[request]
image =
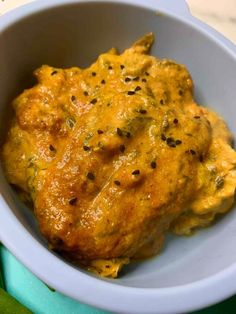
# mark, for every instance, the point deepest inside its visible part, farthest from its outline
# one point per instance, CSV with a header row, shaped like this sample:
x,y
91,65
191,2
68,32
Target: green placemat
x,y
35,295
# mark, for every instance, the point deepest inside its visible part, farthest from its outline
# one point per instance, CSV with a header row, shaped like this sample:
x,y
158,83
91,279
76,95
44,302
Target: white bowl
x,y
190,273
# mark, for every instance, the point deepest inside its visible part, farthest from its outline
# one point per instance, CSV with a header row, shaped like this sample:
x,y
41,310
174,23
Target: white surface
x,y
7,5
219,14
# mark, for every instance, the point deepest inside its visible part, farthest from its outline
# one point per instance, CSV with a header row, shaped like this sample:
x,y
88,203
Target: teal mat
x,y
35,295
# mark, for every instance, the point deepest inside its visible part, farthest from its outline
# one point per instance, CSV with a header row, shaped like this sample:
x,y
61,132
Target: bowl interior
x,y
75,34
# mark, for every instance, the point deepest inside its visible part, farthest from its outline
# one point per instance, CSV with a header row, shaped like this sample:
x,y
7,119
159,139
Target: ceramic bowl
x,y
191,272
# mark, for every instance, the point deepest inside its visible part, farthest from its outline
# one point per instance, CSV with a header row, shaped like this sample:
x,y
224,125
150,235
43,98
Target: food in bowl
x,y
113,156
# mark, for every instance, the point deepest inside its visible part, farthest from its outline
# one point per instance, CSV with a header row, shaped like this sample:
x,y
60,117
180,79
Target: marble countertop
x,y
219,14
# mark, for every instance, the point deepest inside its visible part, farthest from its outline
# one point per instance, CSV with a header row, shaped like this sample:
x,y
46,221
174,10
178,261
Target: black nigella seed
x,y
122,148
85,93
147,73
138,88
110,67
162,102
136,79
196,117
128,134
90,176
119,132
117,182
86,148
192,152
54,73
103,82
144,80
127,79
122,66
178,142
94,73
93,101
100,131
163,137
131,93
136,172
170,139
142,111
52,148
175,121
180,92
170,142
73,201
153,165
73,98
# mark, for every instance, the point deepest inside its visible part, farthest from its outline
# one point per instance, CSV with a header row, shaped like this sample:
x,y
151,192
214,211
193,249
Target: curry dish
x,y
115,155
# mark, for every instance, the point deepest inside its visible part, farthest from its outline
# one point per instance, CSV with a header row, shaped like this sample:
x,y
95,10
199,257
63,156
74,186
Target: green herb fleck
x,y
219,181
71,122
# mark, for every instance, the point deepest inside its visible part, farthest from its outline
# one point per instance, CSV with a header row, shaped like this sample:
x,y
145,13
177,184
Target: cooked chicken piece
x,y
113,155
216,181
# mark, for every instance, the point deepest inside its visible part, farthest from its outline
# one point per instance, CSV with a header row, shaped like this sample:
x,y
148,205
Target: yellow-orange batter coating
x,y
115,155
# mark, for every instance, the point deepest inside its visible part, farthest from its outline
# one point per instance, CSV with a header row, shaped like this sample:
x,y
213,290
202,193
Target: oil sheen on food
x,y
113,156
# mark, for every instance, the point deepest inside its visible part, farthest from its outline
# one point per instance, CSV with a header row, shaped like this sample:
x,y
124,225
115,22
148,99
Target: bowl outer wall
x,y
86,288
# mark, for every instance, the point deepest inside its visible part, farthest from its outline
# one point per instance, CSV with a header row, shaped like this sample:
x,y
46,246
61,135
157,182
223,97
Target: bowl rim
x,y
104,294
